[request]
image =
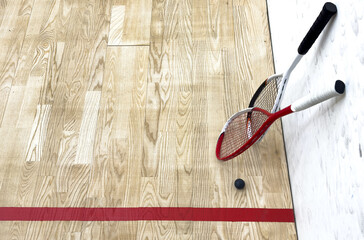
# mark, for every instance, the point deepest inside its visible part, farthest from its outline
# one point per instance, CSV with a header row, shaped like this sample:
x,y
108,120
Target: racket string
x,y
267,97
240,130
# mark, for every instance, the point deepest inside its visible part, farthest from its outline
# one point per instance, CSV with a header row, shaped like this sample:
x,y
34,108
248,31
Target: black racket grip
x,y
328,10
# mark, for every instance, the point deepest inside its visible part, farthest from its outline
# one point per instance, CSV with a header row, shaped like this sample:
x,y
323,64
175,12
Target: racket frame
x,y
299,105
272,117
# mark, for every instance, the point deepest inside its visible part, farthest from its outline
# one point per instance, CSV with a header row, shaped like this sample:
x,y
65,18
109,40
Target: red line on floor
x,y
146,213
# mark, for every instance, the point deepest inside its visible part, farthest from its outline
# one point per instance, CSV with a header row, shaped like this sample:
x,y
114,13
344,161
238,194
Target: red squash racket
x,y
244,128
269,94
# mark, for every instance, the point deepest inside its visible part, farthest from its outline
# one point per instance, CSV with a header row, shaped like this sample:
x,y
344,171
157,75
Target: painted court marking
x,y
146,213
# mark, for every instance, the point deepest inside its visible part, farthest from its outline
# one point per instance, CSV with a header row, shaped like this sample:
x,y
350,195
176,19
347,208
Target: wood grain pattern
x,y
130,22
118,150
38,133
119,104
117,25
14,22
84,154
12,155
160,88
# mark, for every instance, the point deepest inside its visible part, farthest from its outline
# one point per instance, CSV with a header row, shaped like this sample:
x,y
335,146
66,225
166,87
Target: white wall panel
x,y
324,144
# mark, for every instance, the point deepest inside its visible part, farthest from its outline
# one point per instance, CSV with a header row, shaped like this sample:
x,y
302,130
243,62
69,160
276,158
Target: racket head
x,y
266,94
241,131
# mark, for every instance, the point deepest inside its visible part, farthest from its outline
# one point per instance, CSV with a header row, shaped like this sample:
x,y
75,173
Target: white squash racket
x,y
244,128
269,94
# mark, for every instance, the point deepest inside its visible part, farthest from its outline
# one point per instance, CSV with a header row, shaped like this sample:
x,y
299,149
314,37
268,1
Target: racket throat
x,y
282,86
281,113
273,118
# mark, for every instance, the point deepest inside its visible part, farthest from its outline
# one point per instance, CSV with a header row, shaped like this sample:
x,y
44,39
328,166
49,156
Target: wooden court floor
x,y
118,104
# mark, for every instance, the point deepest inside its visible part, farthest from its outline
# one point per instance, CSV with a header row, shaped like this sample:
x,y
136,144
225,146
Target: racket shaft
x,y
282,86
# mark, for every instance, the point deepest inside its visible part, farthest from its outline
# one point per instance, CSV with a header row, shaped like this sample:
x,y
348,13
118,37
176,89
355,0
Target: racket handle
x,y
328,10
313,99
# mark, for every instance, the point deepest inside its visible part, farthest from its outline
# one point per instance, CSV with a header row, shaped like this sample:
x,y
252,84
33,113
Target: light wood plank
x,y
38,133
183,66
30,102
14,103
84,154
160,125
117,25
130,22
12,153
13,27
27,184
5,230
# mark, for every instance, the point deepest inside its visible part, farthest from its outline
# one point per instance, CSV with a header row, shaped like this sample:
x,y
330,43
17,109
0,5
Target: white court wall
x,y
324,144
